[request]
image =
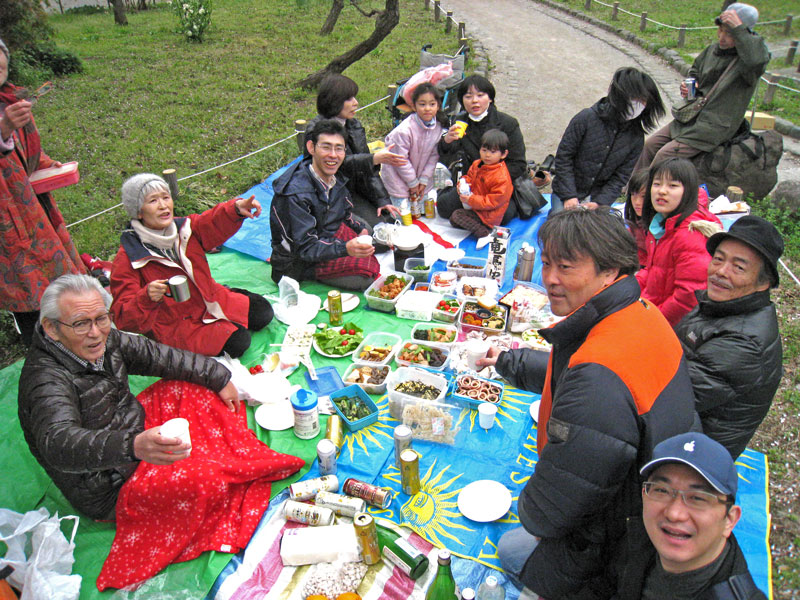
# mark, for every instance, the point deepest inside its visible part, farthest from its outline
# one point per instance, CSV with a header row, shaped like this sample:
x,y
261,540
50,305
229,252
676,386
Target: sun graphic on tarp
x,y
430,511
371,434
513,404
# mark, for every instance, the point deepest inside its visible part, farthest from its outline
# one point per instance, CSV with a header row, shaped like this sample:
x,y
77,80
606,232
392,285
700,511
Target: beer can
x,y
344,506
373,494
430,207
300,512
305,490
335,307
402,440
334,433
691,85
326,457
409,471
367,535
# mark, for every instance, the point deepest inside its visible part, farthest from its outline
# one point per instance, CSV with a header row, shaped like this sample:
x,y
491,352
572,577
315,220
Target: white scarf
x,y
165,239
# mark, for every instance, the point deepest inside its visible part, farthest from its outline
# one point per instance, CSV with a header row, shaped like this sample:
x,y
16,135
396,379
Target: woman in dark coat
x,y
336,99
601,144
476,94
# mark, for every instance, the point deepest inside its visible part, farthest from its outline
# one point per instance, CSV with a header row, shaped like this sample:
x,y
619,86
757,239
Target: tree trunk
x,y
142,5
119,12
333,15
388,18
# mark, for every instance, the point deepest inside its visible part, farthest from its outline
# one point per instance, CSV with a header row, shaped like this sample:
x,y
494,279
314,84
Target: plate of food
x,y
336,342
534,339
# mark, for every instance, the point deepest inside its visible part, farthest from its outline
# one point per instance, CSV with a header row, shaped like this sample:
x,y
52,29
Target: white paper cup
x,y
177,428
486,413
364,239
476,349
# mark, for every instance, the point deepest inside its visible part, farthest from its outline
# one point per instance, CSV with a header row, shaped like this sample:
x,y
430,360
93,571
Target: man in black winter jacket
x,y
731,338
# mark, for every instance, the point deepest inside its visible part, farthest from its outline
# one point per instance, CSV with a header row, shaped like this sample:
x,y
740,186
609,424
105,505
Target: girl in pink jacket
x,y
677,228
415,138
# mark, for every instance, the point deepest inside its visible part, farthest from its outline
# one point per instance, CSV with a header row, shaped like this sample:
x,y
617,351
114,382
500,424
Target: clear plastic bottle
x,y
491,590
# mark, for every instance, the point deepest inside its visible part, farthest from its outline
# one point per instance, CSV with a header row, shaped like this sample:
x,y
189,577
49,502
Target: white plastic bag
x,y
41,556
256,389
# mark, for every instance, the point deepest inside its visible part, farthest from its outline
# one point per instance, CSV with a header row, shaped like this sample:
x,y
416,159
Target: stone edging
x,y
672,57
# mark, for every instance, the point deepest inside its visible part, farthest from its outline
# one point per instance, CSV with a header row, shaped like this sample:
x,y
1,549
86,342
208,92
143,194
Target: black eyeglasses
x,y
84,326
663,493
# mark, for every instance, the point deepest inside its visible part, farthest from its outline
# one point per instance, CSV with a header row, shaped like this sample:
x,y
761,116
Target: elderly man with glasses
x,y
684,547
102,446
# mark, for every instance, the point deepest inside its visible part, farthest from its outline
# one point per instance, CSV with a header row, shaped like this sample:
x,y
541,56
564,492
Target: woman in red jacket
x,y
677,228
215,319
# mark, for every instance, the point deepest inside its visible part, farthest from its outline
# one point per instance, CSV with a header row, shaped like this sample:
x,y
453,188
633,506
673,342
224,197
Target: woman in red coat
x,y
214,319
35,247
677,228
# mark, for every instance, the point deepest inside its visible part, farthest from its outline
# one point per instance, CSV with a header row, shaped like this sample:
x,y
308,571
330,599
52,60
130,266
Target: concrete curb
x,y
671,56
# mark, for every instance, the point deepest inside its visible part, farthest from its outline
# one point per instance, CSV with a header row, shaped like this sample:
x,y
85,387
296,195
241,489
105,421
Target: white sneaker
x,y
483,241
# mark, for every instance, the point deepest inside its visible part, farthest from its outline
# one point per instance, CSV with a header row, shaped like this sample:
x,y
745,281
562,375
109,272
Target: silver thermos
x,y
526,256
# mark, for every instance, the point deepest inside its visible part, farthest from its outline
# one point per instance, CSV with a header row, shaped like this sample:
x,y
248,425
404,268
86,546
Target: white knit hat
x,y
133,192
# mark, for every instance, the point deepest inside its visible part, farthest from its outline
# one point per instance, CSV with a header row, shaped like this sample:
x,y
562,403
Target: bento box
x,y
413,267
431,333
417,399
371,378
372,349
386,300
417,305
476,318
447,309
430,356
473,390
355,392
468,266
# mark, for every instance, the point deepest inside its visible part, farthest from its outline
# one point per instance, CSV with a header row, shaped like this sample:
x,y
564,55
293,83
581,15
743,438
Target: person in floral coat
x,y
35,247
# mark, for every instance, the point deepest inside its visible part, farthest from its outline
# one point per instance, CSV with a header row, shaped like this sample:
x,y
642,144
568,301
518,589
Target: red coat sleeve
x,y
132,308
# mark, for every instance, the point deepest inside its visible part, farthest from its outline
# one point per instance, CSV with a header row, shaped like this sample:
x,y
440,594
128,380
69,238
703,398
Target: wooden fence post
x,y
588,5
172,180
787,29
769,95
792,51
448,24
464,43
643,22
615,12
300,134
427,4
682,36
437,11
462,30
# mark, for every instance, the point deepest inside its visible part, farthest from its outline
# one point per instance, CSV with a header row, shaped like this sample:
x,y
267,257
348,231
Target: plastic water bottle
x,y
490,590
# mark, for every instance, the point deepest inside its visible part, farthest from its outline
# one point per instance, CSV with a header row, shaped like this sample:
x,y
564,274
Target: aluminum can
x,y
409,471
691,85
430,207
333,431
344,506
326,457
305,490
335,307
300,512
402,440
367,535
373,494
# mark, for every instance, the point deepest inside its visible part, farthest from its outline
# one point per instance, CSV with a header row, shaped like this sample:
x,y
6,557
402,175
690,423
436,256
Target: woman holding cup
x,y
161,280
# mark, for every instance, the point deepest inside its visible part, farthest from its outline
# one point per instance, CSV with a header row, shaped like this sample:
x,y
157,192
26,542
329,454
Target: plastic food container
x,y
417,306
379,339
385,304
370,388
405,363
489,288
46,180
417,274
422,286
432,419
469,266
355,390
468,312
451,329
443,282
447,316
483,385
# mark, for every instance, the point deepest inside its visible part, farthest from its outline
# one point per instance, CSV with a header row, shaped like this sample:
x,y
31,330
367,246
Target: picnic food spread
x,y
391,288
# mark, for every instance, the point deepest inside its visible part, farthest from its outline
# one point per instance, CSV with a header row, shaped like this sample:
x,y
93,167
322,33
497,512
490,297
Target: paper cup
x,y
364,239
177,428
486,414
476,349
462,128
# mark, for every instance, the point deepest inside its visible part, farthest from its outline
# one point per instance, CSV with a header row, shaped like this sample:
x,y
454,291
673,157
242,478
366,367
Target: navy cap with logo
x,y
758,233
709,458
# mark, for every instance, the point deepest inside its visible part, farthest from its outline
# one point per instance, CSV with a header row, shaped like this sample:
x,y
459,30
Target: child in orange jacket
x,y
490,189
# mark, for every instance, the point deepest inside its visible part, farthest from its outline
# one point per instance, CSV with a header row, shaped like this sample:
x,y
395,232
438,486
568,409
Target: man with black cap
x,y
684,547
726,75
731,338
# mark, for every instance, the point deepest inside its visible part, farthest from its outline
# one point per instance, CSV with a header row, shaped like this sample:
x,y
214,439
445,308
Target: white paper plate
x,y
484,500
319,351
349,302
275,416
535,410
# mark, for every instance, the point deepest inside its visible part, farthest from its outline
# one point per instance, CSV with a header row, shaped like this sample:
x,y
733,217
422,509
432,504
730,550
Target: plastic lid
x,y
326,446
304,400
402,431
491,581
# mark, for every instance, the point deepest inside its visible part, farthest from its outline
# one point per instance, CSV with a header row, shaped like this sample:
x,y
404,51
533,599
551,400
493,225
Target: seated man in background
x,y
683,546
731,338
103,448
314,231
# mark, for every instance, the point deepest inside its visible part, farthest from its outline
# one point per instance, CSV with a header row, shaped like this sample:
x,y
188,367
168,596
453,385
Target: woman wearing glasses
x,y
157,246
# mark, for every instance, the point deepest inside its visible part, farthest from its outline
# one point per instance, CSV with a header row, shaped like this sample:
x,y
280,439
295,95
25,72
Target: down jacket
x,y
734,353
417,142
361,173
187,324
491,188
80,424
304,220
608,399
596,154
677,264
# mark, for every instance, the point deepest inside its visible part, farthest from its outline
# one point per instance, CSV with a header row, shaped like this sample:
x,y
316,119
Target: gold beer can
x,y
430,207
334,432
409,471
367,535
335,307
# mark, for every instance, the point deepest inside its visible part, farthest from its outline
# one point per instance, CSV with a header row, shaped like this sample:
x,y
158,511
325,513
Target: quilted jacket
x,y
596,154
417,142
80,424
734,353
491,187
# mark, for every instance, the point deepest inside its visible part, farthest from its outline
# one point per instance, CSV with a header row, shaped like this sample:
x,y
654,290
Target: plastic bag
x,y
41,556
256,388
432,74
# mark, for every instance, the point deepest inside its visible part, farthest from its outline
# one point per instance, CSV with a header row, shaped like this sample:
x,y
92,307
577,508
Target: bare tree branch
x,y
333,15
371,13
